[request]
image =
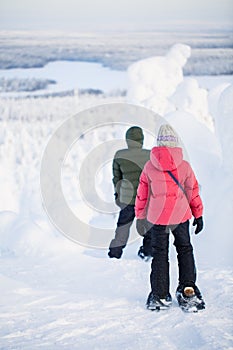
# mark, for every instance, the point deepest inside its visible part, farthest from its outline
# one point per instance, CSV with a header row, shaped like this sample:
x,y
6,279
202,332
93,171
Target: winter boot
x,y
190,299
155,303
115,252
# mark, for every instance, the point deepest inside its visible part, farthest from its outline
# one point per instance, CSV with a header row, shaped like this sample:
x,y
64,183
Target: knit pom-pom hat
x,y
167,136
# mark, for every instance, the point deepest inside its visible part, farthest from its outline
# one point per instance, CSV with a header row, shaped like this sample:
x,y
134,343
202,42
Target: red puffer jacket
x,y
159,198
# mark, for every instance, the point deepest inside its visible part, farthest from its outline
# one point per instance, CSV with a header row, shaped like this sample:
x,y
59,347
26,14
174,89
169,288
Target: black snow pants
x,y
159,277
124,223
125,220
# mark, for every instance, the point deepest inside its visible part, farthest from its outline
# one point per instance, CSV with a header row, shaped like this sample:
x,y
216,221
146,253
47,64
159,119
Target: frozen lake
x,y
72,75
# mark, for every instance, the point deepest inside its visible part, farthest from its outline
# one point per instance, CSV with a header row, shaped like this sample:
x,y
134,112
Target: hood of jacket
x,y
134,137
166,158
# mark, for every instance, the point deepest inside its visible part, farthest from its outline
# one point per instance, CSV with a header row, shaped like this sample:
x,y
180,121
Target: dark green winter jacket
x,y
128,164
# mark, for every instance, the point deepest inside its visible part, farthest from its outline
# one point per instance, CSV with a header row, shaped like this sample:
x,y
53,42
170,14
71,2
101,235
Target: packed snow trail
x,y
86,301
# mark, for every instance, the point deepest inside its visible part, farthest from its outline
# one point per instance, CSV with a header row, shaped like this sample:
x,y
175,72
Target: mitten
x,y
199,223
117,200
141,226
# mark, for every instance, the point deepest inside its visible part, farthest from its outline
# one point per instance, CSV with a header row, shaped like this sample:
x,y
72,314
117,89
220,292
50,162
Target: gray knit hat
x,y
167,136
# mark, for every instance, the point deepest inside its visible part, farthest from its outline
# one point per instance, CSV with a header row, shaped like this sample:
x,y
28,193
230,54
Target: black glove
x,y
117,200
141,226
199,223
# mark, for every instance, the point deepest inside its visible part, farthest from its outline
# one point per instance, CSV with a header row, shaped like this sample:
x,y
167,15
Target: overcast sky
x,y
75,14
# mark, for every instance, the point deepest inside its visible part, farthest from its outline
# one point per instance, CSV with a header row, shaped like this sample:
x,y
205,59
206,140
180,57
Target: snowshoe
x,y
190,299
155,303
142,255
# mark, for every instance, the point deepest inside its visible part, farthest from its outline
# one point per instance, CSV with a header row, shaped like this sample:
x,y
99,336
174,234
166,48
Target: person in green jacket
x,y
127,167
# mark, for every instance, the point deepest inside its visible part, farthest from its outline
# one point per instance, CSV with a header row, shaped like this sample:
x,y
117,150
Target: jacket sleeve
x,y
192,192
142,197
117,174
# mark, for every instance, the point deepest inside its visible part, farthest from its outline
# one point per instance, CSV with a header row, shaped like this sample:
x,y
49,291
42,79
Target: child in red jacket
x,y
167,198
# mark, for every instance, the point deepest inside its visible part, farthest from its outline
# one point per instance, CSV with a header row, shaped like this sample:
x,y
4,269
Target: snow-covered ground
x,y
82,300
56,294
